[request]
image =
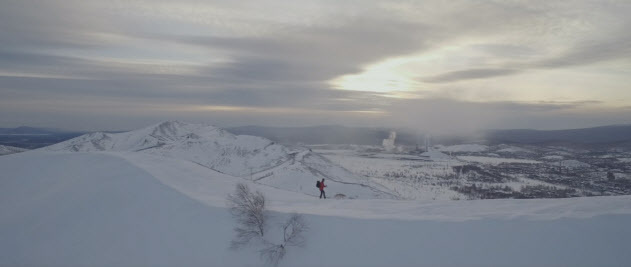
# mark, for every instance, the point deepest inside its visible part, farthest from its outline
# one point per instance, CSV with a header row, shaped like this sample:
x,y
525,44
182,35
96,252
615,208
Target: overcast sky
x,y
441,65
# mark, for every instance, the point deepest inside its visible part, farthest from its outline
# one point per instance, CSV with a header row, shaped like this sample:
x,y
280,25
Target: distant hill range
x,y
30,137
24,130
595,135
374,136
329,134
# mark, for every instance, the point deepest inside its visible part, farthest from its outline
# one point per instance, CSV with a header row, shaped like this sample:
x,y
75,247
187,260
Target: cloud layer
x,y
440,65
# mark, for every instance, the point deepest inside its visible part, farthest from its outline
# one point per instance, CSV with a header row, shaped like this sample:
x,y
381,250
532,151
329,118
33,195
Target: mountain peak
x,y
175,125
244,156
174,130
172,123
167,135
171,129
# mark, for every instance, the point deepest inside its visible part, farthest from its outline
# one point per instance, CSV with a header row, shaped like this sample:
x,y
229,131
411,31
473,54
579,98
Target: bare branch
x,y
273,253
248,208
294,229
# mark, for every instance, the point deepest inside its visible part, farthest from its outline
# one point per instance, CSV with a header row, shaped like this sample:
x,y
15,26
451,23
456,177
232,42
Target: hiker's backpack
x,y
318,184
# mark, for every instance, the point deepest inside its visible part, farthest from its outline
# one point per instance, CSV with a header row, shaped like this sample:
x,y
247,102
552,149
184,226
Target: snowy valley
x,y
473,171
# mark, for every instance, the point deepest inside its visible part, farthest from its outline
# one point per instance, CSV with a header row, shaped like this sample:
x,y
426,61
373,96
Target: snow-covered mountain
x,y
157,196
6,150
250,157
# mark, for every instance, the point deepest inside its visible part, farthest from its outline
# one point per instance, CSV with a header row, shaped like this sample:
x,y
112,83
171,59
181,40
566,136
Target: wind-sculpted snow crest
x,y
249,157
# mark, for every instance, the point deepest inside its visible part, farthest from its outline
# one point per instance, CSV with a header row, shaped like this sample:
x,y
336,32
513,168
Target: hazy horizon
x,y
452,66
307,126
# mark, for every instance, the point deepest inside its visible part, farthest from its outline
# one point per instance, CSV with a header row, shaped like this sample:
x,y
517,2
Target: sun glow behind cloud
x,y
389,76
468,71
403,76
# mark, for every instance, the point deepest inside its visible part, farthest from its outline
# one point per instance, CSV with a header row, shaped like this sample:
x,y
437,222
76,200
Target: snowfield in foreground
x,y
131,209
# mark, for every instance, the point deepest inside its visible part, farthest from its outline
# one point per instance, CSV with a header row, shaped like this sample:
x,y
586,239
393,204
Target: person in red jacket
x,y
322,186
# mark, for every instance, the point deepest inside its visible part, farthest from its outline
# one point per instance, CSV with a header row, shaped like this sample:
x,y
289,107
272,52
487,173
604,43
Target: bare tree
x,y
247,208
293,235
273,253
294,229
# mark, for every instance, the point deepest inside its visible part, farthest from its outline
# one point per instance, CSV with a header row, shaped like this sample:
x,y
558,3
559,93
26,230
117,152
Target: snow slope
x,y
138,209
98,210
6,150
255,158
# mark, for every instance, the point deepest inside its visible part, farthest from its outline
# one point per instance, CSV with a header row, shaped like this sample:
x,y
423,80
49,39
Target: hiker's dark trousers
x,y
322,194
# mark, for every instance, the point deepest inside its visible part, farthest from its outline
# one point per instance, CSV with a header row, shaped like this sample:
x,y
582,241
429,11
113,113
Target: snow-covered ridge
x,y
250,157
146,138
6,150
206,145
